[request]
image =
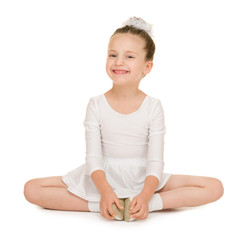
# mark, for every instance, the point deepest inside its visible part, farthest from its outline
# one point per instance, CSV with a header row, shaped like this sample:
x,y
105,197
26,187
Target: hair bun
x,y
139,23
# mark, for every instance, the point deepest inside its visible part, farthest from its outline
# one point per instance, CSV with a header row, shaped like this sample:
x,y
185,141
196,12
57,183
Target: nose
x,y
119,61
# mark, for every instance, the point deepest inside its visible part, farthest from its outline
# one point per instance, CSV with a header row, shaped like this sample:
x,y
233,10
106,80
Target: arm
x,y
94,161
99,179
155,163
154,168
151,183
108,196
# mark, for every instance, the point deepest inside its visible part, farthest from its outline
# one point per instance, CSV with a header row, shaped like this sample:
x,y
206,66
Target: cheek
x,y
109,62
142,67
138,68
109,68
108,65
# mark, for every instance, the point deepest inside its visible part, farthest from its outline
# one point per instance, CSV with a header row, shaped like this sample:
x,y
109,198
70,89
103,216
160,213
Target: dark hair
x,y
149,43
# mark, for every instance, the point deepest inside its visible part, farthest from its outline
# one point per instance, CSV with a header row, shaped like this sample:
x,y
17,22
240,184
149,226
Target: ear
x,y
148,67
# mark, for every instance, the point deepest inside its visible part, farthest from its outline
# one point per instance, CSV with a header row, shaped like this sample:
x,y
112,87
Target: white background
x,y
52,60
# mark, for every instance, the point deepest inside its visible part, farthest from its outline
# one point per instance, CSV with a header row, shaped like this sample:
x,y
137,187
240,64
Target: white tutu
x,y
125,175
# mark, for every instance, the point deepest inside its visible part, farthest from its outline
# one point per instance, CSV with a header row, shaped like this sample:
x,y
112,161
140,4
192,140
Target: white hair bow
x,y
139,23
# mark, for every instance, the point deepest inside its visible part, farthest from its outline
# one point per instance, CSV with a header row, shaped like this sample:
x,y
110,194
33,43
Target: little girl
x,y
123,177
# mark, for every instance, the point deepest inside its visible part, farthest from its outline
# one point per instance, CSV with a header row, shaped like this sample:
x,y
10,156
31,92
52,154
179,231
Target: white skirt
x,y
125,175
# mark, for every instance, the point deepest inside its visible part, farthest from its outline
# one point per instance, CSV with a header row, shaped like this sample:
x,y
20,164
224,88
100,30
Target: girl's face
x,y
126,62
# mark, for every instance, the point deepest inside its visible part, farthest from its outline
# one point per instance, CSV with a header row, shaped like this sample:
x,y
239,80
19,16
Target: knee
x,y
217,189
30,190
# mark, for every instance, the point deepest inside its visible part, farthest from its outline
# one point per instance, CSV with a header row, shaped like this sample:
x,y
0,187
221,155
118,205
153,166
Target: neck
x,y
125,92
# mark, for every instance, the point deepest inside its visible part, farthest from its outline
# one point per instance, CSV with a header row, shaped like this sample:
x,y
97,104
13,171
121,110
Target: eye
x,y
112,55
130,57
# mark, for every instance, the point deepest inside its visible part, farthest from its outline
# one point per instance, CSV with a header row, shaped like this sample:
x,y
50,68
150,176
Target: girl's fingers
x,y
144,216
133,203
139,214
105,213
118,204
135,209
109,217
110,211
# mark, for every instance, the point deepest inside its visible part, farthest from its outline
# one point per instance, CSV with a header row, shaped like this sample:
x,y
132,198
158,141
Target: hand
x,y
106,201
139,207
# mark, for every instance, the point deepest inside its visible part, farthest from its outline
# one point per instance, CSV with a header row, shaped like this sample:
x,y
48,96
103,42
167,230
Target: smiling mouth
x,y
120,72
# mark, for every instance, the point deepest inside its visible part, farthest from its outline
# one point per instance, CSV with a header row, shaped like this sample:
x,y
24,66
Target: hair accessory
x,y
139,23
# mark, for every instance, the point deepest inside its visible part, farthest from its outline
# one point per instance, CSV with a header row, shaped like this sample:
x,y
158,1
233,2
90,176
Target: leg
x,y
52,193
190,191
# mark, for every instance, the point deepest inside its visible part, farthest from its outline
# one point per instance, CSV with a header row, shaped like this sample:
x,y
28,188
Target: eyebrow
x,y
112,50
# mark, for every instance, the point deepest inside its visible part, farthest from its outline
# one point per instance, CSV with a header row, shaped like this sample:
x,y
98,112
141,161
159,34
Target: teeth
x,y
116,71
